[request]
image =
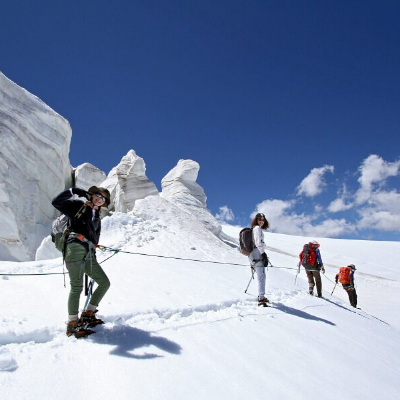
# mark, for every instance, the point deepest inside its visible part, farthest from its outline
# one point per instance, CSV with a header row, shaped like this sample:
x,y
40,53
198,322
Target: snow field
x,y
186,330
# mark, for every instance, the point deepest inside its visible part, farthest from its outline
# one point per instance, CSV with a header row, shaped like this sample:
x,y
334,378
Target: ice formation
x,y
87,175
34,164
127,182
179,186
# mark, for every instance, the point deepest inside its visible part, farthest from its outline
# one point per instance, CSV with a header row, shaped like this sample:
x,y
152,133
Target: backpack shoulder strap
x,y
80,212
78,215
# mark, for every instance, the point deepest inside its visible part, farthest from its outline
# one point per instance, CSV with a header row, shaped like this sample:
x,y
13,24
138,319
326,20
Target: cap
x,y
104,191
352,266
260,215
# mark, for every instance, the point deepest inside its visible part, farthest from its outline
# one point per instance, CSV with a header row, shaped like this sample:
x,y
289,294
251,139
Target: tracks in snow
x,y
151,320
156,320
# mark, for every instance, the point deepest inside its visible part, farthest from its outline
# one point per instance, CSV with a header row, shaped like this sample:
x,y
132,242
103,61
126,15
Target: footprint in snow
x,y
7,361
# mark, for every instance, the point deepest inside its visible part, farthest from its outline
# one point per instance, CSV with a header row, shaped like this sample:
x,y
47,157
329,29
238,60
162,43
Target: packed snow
x,y
177,328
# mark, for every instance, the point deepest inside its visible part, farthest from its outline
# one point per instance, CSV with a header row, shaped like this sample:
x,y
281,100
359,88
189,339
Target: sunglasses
x,y
100,196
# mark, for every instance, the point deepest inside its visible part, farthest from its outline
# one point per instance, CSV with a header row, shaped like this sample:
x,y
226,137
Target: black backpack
x,y
246,243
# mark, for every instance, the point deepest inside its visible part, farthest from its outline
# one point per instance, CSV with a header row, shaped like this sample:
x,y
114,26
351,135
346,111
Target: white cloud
x,y
339,205
225,214
280,218
381,209
382,212
273,207
318,209
332,228
343,202
374,205
374,172
283,219
386,201
314,183
379,220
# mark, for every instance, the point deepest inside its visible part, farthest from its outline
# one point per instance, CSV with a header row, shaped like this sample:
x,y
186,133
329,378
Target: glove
x,y
323,269
264,259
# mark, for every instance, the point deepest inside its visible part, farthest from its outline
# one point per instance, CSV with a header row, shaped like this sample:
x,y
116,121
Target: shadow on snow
x,y
128,339
300,313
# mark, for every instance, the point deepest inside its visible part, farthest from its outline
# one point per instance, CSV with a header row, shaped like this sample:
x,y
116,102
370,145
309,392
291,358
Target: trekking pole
x,y
89,293
252,277
333,289
298,271
89,286
86,285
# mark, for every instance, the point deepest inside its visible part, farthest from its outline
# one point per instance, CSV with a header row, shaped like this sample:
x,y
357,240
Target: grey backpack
x,y
60,232
60,229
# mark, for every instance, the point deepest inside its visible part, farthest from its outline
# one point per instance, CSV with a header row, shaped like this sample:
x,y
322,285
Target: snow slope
x,y
377,263
179,329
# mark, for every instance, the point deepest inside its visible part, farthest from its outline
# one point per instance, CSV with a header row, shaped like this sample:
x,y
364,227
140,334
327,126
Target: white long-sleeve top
x,y
258,239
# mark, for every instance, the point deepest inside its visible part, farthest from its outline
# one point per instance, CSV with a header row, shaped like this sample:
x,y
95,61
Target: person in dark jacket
x,y
80,253
346,278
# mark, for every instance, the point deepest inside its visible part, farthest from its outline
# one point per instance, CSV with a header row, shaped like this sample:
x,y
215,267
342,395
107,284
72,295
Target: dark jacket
x,y
88,224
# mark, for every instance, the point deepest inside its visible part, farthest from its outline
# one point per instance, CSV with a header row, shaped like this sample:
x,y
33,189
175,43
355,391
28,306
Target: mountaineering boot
x,y
262,301
75,328
319,295
311,292
89,319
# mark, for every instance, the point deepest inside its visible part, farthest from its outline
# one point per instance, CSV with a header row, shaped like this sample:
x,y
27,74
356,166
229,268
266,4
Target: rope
x,y
116,251
48,273
329,279
381,320
55,273
105,248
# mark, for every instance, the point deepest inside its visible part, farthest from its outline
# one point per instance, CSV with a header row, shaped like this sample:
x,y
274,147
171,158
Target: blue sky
x,y
290,107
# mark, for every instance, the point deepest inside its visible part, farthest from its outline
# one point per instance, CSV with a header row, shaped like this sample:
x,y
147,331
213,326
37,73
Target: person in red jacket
x,y
310,258
346,278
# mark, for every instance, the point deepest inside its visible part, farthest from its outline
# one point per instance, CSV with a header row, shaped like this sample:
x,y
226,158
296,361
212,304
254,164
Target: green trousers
x,y
79,262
